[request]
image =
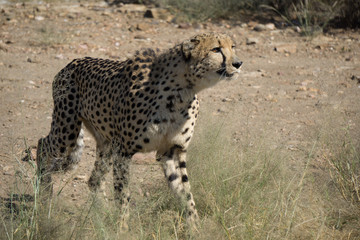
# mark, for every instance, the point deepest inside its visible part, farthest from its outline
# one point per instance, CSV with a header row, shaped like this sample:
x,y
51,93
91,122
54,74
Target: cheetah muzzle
x,y
146,103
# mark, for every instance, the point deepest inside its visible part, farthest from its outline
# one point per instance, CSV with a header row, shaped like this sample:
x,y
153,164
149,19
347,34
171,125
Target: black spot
x,y
188,139
62,149
182,165
185,131
118,187
184,178
139,147
146,140
172,177
72,136
188,196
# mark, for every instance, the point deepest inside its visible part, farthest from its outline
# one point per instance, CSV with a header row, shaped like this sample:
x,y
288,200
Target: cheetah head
x,y
211,58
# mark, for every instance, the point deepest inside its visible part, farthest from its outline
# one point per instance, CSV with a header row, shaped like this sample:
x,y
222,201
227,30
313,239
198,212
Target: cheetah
x,y
145,103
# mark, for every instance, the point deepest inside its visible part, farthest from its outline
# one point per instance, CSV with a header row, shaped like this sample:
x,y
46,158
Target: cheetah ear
x,y
187,46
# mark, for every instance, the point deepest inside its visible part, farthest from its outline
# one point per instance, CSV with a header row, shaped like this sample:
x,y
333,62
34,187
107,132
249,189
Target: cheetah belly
x,y
169,132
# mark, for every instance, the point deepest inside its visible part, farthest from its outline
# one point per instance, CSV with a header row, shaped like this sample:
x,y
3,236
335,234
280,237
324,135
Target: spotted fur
x,y
146,103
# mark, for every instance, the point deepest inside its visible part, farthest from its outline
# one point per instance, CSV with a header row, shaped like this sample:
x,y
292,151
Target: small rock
x,y
259,27
301,89
133,8
39,18
345,84
158,13
3,47
83,46
297,29
251,41
8,170
59,56
270,26
310,89
184,26
286,48
270,98
227,99
355,78
243,25
143,26
140,37
41,8
197,26
80,177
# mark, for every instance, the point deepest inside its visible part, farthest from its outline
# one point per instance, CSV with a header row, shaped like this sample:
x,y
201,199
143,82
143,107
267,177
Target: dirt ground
x,y
289,87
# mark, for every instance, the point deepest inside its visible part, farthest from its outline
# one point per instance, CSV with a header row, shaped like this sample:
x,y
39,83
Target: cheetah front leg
x,y
174,165
121,188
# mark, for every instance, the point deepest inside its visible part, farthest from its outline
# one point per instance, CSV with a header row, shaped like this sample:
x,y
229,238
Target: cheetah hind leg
x,y
44,180
121,188
49,162
102,166
103,161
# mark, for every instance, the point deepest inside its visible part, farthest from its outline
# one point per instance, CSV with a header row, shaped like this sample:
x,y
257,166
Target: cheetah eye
x,y
216,50
233,46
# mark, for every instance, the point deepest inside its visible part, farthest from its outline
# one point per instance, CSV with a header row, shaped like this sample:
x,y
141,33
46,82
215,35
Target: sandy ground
x,y
289,88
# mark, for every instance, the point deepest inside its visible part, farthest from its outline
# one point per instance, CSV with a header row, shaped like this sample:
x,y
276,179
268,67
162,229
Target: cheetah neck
x,y
170,72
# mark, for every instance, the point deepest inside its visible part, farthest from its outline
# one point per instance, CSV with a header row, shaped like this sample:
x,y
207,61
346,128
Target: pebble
x,y
80,177
260,28
159,13
355,78
286,48
39,18
270,26
3,47
227,99
143,26
252,41
8,170
243,25
59,56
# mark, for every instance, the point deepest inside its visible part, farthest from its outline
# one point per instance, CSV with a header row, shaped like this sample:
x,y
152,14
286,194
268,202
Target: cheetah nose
x,y
237,64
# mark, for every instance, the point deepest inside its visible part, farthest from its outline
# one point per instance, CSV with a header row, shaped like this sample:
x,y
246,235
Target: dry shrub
x,y
344,160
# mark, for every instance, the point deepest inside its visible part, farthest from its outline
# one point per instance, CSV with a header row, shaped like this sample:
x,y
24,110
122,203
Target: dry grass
x,y
313,16
245,191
